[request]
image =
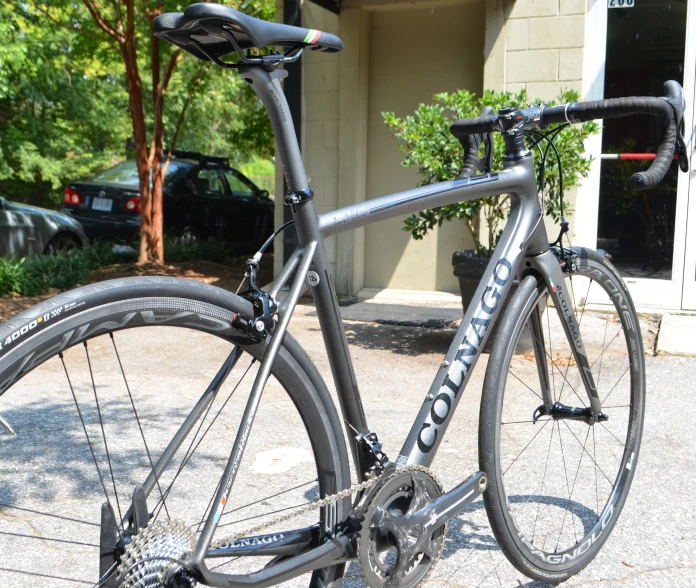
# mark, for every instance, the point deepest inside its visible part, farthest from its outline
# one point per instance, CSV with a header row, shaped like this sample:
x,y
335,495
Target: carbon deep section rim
x,y
526,557
74,317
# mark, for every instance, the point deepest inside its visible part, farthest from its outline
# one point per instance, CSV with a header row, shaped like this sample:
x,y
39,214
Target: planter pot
x,y
469,270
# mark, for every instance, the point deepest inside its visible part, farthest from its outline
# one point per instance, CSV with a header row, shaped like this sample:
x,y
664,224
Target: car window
x,y
126,174
238,186
208,181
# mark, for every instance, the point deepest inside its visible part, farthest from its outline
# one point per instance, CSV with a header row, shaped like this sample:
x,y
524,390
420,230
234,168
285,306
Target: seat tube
x,y
300,198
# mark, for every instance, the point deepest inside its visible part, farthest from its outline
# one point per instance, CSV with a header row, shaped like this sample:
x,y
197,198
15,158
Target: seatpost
x,y
268,89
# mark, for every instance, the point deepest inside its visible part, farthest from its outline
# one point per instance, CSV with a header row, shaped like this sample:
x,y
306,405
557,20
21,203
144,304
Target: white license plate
x,y
103,204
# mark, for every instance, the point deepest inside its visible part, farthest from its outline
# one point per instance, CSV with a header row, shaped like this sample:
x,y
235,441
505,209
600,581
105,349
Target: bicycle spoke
x,y
565,469
543,479
599,374
101,425
64,579
528,444
525,385
53,539
594,451
615,437
264,514
577,471
548,324
271,496
614,338
596,464
617,383
107,576
84,428
137,418
189,452
45,514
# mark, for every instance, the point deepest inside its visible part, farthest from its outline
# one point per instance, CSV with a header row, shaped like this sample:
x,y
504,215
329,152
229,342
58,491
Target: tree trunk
x,y
135,98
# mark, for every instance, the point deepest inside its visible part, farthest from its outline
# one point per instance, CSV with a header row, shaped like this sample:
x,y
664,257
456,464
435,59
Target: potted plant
x,y
430,147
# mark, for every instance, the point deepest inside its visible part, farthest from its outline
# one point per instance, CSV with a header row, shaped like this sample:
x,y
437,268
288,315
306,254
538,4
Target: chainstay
x,y
321,503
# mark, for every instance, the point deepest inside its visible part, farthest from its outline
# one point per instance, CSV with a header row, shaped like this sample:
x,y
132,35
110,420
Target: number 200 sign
x,y
621,3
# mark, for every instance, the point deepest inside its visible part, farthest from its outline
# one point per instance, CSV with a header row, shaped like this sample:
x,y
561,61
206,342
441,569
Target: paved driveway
x,y
654,543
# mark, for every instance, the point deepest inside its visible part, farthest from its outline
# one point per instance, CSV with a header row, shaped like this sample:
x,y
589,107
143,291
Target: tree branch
x,y
179,123
105,26
82,31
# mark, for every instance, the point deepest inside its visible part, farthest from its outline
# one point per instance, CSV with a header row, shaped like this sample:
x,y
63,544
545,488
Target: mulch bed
x,y
227,276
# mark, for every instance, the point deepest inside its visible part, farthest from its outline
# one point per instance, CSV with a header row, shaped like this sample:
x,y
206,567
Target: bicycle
x,y
167,529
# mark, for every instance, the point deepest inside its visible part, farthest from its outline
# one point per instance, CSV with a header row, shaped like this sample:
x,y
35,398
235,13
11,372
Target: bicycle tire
x,y
510,511
60,323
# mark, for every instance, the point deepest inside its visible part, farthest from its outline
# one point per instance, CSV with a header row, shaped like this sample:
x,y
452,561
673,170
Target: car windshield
x,y
126,174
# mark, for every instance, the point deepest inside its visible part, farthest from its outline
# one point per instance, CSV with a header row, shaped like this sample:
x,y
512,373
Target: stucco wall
x,y
320,86
414,53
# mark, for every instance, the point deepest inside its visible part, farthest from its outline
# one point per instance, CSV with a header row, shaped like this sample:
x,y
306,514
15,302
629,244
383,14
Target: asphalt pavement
x,y
653,544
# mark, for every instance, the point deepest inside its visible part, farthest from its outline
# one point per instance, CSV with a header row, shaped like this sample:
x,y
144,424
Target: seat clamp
x,y
298,196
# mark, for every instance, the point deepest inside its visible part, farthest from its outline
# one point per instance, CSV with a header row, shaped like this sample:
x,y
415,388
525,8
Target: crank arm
x,y
449,505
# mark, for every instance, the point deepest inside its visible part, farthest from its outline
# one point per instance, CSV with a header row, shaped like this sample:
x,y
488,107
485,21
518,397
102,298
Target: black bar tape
x,y
661,110
471,126
471,158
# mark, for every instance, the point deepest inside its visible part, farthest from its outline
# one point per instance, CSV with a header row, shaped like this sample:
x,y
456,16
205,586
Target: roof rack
x,y
200,157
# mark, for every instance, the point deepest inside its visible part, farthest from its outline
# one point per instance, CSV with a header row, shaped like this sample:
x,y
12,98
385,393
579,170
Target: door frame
x,y
686,193
648,294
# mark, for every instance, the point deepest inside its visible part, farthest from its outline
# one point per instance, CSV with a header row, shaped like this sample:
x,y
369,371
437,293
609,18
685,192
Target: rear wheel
x,y
557,486
97,382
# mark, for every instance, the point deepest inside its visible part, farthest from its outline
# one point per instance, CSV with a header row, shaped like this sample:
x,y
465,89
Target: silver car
x,y
27,230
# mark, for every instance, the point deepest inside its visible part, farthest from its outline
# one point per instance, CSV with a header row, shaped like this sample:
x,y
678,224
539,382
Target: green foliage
x,y
37,275
260,171
430,147
62,116
64,104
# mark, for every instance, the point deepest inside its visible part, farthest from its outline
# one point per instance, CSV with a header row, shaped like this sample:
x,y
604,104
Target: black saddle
x,y
210,31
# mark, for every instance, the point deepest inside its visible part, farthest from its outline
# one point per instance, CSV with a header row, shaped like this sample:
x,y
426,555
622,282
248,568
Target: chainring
x,y
153,551
385,558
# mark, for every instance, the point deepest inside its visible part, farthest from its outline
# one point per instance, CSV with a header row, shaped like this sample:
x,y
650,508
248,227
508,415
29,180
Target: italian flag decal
x,y
312,36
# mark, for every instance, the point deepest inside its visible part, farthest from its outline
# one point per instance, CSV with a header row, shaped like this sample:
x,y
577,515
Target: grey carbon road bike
x,y
161,424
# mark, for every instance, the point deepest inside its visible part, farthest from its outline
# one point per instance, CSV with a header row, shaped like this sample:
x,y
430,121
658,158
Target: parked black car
x,y
203,198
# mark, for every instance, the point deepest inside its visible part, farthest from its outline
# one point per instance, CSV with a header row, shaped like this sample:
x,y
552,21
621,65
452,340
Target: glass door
x,y
640,231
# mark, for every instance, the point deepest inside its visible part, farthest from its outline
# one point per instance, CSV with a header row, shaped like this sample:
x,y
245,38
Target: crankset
x,y
404,526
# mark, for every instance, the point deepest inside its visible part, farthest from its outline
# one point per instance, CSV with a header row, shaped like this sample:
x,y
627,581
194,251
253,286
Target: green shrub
x,y
430,147
178,250
37,275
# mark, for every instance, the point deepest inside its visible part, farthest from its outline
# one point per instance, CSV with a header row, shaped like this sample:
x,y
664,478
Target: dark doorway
x,y
645,47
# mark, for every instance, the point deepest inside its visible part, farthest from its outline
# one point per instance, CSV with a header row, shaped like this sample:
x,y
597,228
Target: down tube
x,y
451,379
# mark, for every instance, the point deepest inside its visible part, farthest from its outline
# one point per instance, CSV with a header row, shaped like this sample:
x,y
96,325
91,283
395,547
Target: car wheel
x,y
189,234
63,242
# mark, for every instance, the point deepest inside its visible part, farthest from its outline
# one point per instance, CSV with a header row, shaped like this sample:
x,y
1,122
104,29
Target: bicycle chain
x,y
326,501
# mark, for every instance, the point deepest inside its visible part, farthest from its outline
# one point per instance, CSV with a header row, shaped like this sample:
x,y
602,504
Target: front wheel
x,y
98,385
557,486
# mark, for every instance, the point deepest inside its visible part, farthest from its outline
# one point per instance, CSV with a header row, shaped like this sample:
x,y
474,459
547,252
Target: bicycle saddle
x,y
204,30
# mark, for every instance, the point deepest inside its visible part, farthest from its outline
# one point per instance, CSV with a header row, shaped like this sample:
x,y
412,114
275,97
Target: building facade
x,y
398,54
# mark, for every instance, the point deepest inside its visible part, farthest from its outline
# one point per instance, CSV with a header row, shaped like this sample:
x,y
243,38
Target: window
x,y
126,174
238,186
209,181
